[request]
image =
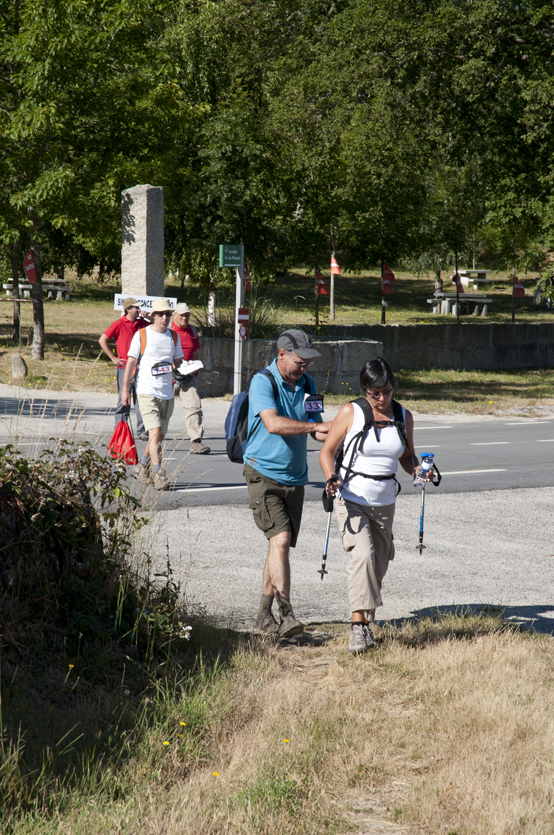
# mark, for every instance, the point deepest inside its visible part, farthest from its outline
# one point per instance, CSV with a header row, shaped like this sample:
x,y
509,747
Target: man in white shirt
x,y
155,352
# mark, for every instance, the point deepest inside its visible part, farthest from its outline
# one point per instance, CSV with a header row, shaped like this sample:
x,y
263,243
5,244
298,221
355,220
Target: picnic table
x,y
475,277
52,286
445,303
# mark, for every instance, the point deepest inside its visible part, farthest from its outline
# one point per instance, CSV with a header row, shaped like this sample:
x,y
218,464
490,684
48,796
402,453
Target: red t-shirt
x,y
123,331
189,340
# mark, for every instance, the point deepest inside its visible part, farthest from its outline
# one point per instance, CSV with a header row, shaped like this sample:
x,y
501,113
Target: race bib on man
x,y
161,368
313,403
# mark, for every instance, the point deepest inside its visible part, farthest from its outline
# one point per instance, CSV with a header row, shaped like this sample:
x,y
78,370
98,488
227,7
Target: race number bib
x,y
313,403
161,368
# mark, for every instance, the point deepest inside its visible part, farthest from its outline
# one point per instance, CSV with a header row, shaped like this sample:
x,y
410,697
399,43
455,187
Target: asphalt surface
x,y
487,527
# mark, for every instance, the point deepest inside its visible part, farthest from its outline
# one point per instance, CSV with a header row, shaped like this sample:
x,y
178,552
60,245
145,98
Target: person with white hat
x,y
123,330
157,352
186,386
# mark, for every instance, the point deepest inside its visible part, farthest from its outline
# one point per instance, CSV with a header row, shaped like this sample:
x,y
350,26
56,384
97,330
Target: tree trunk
x,y
438,281
38,305
16,334
211,303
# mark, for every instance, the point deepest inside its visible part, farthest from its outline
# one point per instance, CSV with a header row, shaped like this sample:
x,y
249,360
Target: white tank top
x,y
374,458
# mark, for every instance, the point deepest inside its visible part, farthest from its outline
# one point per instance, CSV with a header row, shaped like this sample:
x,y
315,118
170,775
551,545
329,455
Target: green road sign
x,y
230,255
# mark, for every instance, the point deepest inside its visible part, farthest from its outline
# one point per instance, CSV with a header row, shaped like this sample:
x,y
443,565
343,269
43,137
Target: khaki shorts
x,y
276,507
155,412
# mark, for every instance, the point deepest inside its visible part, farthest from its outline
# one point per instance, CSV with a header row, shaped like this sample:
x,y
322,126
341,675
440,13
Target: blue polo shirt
x,y
283,459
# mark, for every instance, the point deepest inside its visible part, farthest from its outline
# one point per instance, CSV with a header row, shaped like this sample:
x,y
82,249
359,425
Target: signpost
x,y
232,255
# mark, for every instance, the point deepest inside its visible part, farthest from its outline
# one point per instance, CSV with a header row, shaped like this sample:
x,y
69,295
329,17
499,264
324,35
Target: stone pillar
x,y
142,241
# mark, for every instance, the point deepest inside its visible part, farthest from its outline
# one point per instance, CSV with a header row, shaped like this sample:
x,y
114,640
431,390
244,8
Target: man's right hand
x,y
126,398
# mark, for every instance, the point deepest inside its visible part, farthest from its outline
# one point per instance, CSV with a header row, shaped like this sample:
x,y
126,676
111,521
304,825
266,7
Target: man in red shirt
x,y
187,389
123,331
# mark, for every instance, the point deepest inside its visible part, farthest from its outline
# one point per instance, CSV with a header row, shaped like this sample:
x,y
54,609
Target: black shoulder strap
x,y
358,439
398,420
269,374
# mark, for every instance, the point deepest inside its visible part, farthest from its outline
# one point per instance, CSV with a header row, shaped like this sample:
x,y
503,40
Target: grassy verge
x,y
444,728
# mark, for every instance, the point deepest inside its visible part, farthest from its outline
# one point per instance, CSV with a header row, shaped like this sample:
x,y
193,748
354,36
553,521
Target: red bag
x,y
122,444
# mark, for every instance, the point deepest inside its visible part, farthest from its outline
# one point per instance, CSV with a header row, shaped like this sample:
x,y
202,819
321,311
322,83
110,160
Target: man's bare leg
x,y
276,582
154,446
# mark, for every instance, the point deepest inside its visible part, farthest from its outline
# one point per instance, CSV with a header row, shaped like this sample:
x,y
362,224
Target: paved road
x,y
488,526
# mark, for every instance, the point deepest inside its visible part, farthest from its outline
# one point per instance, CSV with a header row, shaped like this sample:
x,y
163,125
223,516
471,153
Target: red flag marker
x,y
458,282
321,285
335,269
388,273
30,267
386,287
519,290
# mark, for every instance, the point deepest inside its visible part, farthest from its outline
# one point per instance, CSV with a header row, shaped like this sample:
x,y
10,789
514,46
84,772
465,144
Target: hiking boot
x,y
266,623
160,480
144,473
289,626
198,448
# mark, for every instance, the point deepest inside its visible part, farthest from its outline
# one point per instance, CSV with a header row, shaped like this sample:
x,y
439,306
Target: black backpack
x,y
236,422
357,441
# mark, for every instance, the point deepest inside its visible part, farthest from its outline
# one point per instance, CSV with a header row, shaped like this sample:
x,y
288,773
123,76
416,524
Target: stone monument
x,y
142,241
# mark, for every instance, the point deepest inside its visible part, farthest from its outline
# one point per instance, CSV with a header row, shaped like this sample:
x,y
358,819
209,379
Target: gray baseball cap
x,y
299,342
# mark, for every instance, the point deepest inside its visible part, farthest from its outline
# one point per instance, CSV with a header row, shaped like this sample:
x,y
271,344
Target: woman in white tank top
x,y
368,488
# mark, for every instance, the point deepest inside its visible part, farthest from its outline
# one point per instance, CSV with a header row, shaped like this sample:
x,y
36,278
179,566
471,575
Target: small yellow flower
x,y
180,736
215,773
182,723
70,666
166,743
287,740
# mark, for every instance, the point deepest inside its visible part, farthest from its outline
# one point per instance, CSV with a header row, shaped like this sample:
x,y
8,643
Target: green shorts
x,y
276,507
155,412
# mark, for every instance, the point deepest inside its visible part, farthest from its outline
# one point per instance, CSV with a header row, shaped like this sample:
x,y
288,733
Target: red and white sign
x,y
244,314
519,290
242,331
386,287
388,273
246,280
30,267
458,282
335,269
321,285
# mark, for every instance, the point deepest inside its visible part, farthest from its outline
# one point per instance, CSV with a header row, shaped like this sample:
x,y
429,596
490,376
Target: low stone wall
x,y
338,370
487,347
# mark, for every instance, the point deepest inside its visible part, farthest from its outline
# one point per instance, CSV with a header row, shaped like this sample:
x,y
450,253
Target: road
x,y
487,527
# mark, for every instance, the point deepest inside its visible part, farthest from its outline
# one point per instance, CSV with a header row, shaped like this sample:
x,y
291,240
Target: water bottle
x,y
427,460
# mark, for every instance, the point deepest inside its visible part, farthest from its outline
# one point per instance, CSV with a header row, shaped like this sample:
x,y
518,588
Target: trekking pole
x,y
421,546
427,465
327,500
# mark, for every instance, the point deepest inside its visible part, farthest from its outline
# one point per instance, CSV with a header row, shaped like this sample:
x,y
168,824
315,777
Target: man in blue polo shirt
x,y
280,418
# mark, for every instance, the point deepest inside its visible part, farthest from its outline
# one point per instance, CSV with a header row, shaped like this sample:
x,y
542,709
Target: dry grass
x,y
447,727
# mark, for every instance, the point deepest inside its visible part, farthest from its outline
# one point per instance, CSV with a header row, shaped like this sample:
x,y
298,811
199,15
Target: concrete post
x,y
142,241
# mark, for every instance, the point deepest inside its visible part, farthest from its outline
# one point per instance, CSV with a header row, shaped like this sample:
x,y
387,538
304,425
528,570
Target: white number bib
x,y
313,403
161,368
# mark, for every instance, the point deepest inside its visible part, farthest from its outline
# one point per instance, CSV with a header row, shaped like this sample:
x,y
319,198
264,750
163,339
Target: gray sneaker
x,y
160,480
198,448
357,642
289,626
144,473
266,623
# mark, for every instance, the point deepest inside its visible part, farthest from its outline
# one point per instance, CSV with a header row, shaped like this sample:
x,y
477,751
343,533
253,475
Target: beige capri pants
x,y
367,536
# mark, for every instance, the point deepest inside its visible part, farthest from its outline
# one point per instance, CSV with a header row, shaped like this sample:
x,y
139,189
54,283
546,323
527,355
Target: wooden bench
x,y
61,290
445,303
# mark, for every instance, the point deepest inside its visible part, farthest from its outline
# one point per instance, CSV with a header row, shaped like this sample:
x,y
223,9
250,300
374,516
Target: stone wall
x,y
338,370
488,347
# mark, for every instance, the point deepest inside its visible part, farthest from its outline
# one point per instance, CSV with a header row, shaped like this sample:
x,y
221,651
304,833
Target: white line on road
x,y
528,423
546,441
471,472
489,443
432,427
211,489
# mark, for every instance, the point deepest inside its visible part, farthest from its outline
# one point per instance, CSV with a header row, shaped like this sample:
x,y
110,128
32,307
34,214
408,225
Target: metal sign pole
x,y
237,377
